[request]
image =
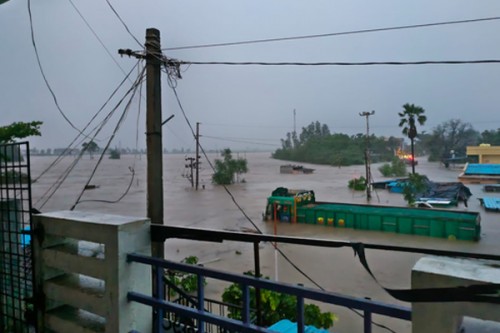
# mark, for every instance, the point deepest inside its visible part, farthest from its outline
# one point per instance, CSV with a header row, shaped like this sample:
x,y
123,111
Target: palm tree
x,y
411,114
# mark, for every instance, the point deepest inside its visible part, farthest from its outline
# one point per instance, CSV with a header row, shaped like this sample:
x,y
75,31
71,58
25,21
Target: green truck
x,y
300,206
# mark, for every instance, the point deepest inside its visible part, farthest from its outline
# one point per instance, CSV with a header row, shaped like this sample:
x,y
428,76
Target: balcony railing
x,y
161,306
100,265
205,318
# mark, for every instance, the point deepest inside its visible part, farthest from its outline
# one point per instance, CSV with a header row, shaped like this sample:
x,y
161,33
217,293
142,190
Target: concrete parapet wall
x,y
442,272
82,270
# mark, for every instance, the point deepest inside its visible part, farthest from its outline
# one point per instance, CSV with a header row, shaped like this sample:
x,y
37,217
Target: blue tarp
x,y
287,326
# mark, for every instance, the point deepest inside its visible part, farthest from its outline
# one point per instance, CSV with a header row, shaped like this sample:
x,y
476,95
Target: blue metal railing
x,y
201,316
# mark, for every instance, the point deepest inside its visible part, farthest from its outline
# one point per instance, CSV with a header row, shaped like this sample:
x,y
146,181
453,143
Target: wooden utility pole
x,y
154,134
367,154
197,155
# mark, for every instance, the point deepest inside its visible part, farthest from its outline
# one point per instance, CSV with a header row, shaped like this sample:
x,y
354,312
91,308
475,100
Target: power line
x,y
369,63
117,127
281,39
57,184
64,152
242,141
248,217
244,125
117,200
97,36
124,24
43,73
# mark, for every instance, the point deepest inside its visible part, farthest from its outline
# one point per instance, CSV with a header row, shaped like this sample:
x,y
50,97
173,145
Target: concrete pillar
x,y
441,272
82,269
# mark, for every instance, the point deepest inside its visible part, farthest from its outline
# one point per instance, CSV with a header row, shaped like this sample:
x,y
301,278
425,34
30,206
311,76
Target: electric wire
x,y
137,123
68,148
49,193
112,201
117,127
35,48
281,39
123,23
177,136
246,215
53,189
97,36
62,177
241,141
368,63
131,168
245,125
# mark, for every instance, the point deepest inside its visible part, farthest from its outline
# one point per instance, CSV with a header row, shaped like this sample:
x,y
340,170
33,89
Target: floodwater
x,y
335,270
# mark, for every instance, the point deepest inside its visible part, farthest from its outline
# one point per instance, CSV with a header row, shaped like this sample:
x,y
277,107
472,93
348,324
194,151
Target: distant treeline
x,y
317,145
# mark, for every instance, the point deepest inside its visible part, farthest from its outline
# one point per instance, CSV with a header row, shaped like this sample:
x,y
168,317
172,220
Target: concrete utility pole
x,y
367,154
154,59
154,134
190,165
197,163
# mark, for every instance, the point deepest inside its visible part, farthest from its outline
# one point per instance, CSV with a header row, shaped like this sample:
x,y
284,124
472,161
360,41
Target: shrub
x,y
397,168
114,154
275,306
186,281
357,184
386,170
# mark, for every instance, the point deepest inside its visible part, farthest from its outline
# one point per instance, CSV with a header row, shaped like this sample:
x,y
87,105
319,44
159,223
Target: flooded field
x,y
335,270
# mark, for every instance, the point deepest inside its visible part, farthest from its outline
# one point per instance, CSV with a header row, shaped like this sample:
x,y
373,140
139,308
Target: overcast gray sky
x,y
253,104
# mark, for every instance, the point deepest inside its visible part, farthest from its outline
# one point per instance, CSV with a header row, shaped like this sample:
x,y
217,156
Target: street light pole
x,y
367,154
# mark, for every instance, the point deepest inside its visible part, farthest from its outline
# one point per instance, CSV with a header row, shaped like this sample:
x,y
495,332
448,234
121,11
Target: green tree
x,y
317,145
492,137
411,115
227,168
19,130
397,168
114,154
275,306
91,147
239,166
452,135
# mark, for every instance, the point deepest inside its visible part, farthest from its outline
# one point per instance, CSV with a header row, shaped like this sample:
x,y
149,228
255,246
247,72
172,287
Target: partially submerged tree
x,y
397,168
114,154
91,147
411,115
227,168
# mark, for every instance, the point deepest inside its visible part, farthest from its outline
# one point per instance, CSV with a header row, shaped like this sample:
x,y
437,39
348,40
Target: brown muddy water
x,y
336,270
